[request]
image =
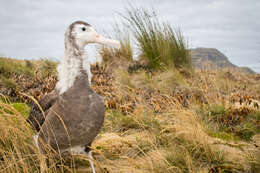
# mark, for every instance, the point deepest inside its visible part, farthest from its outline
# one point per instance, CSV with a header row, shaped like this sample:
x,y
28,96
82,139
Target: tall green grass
x,y
160,44
123,35
124,52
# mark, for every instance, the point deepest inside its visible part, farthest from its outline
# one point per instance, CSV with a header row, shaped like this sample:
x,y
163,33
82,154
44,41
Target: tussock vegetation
x,y
160,44
118,57
155,122
34,78
125,52
161,47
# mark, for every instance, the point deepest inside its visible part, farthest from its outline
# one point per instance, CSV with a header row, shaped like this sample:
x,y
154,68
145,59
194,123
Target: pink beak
x,y
106,41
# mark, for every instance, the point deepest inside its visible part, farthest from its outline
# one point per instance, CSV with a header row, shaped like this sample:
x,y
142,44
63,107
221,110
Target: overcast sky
x,y
35,29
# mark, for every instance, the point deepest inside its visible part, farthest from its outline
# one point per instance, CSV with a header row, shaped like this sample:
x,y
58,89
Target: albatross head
x,y
77,36
82,33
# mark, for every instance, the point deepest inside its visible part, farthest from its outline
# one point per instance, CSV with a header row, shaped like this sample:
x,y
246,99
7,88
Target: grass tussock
x,y
10,67
34,78
17,151
118,57
124,53
240,121
160,44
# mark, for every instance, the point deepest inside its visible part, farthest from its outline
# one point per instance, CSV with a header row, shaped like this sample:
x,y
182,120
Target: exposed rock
x,y
211,58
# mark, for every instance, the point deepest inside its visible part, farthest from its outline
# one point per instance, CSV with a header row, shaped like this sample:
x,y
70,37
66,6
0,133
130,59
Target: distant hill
x,y
204,58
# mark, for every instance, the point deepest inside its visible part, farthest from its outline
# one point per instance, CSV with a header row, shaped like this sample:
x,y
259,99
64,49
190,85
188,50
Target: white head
x,y
77,36
80,33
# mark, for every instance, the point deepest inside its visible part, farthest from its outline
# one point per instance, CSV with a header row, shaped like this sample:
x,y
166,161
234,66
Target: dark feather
x,y
36,118
75,118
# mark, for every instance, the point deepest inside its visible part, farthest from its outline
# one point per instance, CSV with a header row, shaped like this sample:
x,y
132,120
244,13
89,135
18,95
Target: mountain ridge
x,y
205,58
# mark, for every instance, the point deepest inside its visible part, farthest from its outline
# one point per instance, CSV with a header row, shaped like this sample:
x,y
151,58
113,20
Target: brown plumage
x,y
36,118
74,113
75,118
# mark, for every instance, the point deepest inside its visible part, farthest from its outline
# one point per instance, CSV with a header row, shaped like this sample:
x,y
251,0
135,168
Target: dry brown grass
x,y
159,121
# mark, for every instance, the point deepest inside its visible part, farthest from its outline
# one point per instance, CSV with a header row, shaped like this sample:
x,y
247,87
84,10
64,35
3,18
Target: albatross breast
x,y
77,119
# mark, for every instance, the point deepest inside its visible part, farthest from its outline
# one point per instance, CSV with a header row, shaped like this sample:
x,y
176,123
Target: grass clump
x,y
17,153
160,45
7,82
31,77
10,66
48,67
124,53
233,123
23,108
120,122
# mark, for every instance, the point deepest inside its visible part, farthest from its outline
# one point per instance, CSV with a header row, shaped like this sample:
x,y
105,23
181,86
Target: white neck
x,y
70,67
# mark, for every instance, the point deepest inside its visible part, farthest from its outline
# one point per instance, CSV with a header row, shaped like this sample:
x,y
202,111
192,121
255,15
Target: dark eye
x,y
83,29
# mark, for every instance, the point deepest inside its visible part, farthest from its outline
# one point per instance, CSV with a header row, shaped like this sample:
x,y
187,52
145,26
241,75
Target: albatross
x,y
74,113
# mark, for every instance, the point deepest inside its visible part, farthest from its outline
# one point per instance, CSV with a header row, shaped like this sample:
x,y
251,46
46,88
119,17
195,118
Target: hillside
x,y
161,121
212,58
